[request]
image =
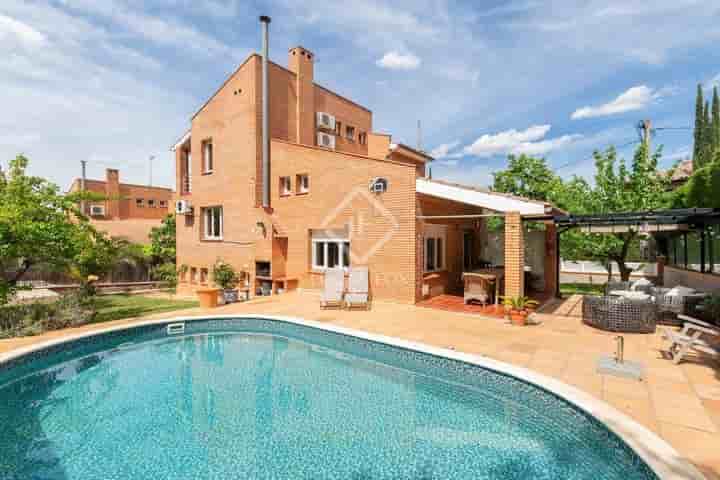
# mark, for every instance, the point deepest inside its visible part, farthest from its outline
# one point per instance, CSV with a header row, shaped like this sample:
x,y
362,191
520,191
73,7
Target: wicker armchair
x,y
617,314
670,306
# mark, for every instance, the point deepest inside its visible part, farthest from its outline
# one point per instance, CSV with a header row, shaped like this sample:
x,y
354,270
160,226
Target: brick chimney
x,y
112,192
300,62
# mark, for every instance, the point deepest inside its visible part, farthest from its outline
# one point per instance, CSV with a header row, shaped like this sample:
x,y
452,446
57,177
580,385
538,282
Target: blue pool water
x,y
237,399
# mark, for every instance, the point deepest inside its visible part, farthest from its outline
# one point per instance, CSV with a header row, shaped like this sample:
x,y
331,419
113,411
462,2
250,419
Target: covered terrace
x,y
478,245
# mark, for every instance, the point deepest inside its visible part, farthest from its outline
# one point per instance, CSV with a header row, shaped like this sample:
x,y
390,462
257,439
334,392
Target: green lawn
x,y
117,307
567,289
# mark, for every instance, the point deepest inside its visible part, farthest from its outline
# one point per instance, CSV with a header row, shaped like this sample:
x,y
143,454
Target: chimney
x,y
112,193
265,21
300,62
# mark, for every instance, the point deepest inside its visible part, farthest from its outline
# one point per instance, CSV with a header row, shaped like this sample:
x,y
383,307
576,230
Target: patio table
x,y
629,294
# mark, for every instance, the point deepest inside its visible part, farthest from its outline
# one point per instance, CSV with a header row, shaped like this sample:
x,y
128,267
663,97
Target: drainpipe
x,y
265,21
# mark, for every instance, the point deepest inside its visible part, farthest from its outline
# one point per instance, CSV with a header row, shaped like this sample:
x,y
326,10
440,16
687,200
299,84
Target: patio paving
x,y
681,403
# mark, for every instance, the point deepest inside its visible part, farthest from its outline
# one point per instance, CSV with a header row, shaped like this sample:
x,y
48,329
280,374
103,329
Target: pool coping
x,y
662,458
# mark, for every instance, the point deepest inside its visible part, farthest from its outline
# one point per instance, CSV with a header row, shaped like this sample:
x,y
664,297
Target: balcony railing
x,y
186,184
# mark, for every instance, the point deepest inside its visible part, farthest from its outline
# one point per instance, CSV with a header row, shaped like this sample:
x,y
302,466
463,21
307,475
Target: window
x,y
203,275
207,156
330,249
193,275
435,247
151,203
350,133
338,128
163,203
362,138
139,202
303,183
285,186
213,223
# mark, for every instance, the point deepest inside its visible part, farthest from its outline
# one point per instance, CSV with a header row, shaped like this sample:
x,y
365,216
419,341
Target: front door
x,y
468,249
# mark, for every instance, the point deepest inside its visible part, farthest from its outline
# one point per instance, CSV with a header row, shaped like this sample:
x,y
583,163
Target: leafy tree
x,y
35,225
617,189
703,187
698,136
527,177
163,241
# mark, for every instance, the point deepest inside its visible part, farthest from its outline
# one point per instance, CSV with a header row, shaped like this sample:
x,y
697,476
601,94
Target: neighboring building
x,y
340,195
126,211
681,173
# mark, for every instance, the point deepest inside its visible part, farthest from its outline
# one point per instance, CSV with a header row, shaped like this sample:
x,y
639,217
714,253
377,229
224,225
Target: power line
x,y
564,165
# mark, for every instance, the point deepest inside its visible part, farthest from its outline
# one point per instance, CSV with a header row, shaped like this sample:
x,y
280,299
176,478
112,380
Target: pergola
x,y
662,224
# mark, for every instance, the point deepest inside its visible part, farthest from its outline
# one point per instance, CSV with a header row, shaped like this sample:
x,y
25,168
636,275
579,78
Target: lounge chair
x,y
357,294
696,335
333,287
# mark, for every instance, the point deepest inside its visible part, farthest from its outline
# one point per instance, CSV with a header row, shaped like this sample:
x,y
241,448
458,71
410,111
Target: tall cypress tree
x,y
706,149
715,122
699,121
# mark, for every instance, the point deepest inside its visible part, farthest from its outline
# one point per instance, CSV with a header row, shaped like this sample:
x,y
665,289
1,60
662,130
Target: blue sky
x,y
116,81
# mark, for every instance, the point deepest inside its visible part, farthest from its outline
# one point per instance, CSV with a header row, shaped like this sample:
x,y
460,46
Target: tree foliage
x,y
527,177
163,241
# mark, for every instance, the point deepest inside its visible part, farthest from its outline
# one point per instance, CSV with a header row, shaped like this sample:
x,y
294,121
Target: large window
x,y
285,186
434,243
213,223
696,250
330,249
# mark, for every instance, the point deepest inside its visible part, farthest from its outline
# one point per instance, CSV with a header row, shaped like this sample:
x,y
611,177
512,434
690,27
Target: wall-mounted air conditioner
x,y
325,121
326,140
379,185
97,210
183,207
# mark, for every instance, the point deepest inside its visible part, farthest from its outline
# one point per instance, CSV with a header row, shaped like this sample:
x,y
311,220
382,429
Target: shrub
x,y
225,275
24,319
166,272
711,308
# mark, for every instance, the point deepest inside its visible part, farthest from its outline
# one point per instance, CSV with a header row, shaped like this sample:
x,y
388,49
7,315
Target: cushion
x,y
643,282
680,291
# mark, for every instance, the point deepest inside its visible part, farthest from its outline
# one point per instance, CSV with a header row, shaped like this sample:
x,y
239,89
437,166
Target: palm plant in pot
x,y
519,308
227,279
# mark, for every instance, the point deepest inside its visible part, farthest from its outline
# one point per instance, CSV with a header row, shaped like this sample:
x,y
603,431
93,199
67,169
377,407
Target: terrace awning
x,y
647,222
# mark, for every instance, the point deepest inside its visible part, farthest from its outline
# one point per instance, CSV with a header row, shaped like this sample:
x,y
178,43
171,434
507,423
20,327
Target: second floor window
x,y
207,156
213,223
151,203
338,128
163,203
350,132
285,186
139,202
362,138
303,183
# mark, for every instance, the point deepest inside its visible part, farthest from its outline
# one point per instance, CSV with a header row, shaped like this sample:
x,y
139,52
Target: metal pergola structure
x,y
660,223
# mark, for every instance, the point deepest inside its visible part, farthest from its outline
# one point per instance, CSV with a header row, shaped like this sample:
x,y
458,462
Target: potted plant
x,y
227,279
519,308
711,308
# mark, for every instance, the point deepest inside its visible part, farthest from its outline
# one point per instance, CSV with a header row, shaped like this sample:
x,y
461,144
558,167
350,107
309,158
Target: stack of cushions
x,y
680,291
643,282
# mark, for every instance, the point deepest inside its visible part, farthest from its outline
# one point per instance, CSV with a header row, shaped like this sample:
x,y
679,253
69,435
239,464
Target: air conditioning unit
x,y
97,210
183,207
326,140
379,185
325,121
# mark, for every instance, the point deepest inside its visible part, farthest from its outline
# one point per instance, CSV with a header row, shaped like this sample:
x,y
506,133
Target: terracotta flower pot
x,y
208,297
518,317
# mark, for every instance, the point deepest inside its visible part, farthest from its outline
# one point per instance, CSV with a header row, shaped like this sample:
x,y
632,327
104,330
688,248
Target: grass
x,y
581,289
118,307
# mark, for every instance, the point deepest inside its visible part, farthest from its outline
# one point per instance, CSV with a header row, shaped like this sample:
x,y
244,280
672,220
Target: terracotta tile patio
x,y
681,403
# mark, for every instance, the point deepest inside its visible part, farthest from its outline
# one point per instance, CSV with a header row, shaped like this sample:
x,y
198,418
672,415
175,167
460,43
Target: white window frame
x,y
285,186
350,133
151,203
140,203
303,181
208,156
342,243
163,203
434,233
208,225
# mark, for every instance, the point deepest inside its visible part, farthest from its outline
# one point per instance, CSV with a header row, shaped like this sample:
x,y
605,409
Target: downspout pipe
x,y
265,21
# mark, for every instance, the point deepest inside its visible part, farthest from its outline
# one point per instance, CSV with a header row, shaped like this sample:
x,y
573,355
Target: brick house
x,y
339,195
127,211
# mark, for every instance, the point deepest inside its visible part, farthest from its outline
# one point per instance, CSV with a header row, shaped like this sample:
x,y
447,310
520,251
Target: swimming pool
x,y
264,398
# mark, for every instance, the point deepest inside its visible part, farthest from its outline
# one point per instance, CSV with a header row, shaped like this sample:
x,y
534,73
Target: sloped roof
x,y
478,197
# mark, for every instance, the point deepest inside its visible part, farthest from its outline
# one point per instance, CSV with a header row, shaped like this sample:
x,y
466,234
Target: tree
x,y
618,189
163,241
527,177
706,149
715,121
35,226
702,188
699,124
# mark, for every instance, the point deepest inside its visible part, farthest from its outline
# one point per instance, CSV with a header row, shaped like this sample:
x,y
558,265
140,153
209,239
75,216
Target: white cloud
x,y
9,27
529,141
635,98
443,150
399,61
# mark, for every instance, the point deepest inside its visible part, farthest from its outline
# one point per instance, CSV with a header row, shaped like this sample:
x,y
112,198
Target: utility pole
x,y
646,127
152,157
83,164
